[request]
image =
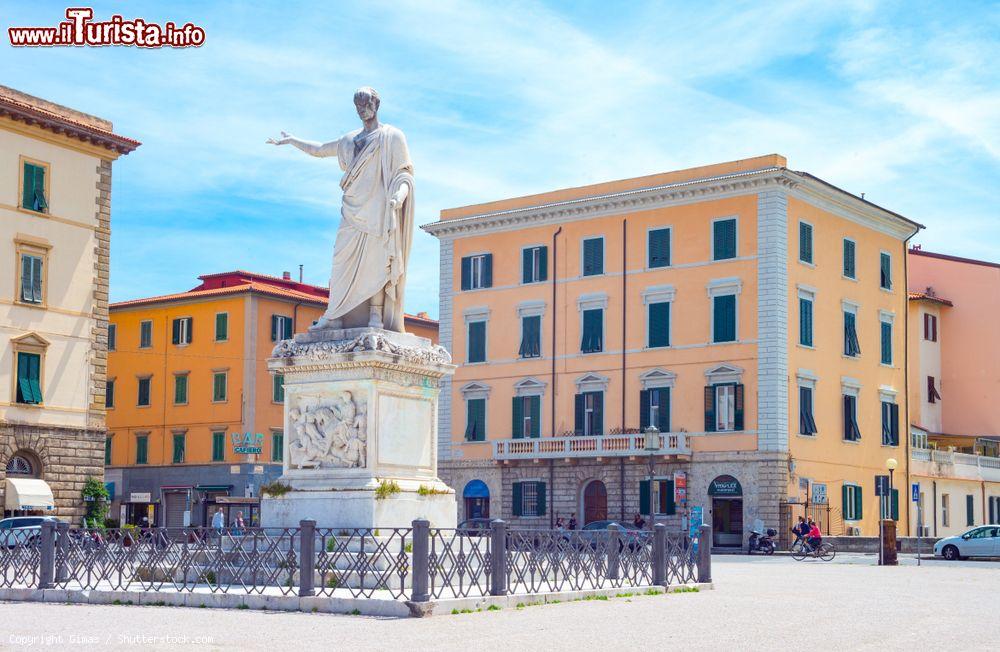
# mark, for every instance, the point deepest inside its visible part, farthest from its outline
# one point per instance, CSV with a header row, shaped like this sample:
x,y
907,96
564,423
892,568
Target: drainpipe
x,y
555,273
624,312
906,365
934,512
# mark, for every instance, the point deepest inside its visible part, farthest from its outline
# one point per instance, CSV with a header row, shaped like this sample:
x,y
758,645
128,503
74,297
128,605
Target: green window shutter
x,y
142,450
664,424
885,271
222,326
278,388
527,256
516,499
845,504
219,387
475,414
644,409
277,447
36,279
894,424
709,408
593,327
659,324
178,449
28,189
644,496
28,382
658,248
477,341
671,505
107,451
467,273
274,328
517,417
39,201
886,343
724,239
805,242
531,337
35,376
849,270
724,327
598,416
109,394
579,410
738,411
176,331
593,256
970,513
894,505
218,446
542,502
488,271
535,403
859,504
543,263
180,389
805,322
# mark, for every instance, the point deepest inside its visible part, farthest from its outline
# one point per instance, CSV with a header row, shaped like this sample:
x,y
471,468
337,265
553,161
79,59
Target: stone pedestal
x,y
360,431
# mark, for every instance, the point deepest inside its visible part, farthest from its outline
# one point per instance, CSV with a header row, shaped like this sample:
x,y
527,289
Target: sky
x,y
897,100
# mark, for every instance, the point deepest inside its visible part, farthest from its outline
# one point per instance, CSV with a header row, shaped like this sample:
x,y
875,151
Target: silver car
x,y
21,530
980,541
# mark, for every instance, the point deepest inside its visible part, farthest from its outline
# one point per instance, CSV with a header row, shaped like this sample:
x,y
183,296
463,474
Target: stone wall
x,y
68,456
96,411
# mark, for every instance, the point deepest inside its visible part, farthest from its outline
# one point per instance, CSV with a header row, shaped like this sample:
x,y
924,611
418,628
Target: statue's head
x,y
366,102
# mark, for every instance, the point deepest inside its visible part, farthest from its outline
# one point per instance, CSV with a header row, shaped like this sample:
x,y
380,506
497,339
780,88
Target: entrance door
x,y
176,505
595,502
727,522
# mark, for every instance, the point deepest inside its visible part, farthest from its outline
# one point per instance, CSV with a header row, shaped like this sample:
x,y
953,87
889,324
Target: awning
x,y
476,489
29,494
214,487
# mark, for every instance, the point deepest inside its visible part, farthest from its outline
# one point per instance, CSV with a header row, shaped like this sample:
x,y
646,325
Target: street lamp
x,y
891,464
652,446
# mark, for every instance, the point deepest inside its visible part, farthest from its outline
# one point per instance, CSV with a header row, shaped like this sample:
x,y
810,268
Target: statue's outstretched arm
x,y
310,147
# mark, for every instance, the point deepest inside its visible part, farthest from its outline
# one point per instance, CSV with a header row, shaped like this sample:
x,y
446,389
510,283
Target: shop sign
x,y
818,494
680,488
725,485
247,443
136,497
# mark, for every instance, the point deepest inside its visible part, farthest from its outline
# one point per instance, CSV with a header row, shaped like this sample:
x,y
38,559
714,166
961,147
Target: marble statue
x,y
376,226
328,433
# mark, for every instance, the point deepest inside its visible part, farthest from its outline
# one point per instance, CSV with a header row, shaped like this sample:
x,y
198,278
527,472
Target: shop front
x,y
726,494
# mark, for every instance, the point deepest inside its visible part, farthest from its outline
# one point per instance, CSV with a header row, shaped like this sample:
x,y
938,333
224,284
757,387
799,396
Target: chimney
x,y
286,276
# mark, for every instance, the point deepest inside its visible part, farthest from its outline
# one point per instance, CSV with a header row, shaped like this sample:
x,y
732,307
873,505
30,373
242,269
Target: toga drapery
x,y
373,242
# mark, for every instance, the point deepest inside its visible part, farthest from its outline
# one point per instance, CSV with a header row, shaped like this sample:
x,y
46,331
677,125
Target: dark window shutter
x,y
190,333
274,328
724,245
805,322
466,273
803,406
886,271
847,418
176,331
934,328
970,510
710,408
516,498
644,496
659,324
844,502
644,409
894,505
477,341
579,408
886,343
535,404
659,248
526,267
488,271
738,413
724,328
894,424
39,203
849,271
664,424
671,506
598,418
28,190
859,504
540,494
26,272
543,263
36,279
517,417
805,242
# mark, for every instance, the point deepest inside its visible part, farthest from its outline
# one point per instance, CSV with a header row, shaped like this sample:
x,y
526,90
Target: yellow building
x,y
55,229
753,313
194,416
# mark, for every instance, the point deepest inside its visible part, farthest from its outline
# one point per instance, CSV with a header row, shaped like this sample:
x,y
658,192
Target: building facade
x,y
194,417
954,377
55,226
752,313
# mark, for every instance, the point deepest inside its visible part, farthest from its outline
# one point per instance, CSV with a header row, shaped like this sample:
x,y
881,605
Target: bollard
x,y
307,557
421,561
614,552
498,557
46,556
705,553
62,552
660,554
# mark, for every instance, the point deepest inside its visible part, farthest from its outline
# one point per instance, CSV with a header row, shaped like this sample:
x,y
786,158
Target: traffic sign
x,y
881,485
916,492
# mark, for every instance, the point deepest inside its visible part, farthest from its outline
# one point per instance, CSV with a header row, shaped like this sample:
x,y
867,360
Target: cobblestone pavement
x,y
759,603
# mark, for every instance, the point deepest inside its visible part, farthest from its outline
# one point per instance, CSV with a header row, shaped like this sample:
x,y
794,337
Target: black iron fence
x,y
418,563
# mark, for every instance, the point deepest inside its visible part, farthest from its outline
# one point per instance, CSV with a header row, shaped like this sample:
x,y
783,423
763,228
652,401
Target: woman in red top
x,y
815,537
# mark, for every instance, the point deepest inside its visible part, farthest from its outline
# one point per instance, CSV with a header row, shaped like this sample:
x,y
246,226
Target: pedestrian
x,y
639,522
239,523
572,521
219,521
559,524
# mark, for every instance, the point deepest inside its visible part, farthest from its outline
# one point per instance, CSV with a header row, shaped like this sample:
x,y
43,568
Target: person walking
x,y
572,521
239,524
559,524
219,521
639,522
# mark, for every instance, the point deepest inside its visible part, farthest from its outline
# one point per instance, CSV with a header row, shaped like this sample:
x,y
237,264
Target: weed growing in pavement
x,y
493,607
242,606
653,592
356,612
685,589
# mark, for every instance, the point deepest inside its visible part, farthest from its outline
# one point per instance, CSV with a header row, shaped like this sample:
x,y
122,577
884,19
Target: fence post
x,y
660,554
420,590
307,557
498,557
46,556
614,552
705,554
62,552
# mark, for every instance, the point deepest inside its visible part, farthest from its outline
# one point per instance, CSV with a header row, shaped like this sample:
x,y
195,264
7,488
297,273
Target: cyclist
x,y
815,537
800,530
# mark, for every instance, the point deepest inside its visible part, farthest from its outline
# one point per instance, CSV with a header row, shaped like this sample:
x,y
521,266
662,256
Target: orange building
x,y
751,313
194,416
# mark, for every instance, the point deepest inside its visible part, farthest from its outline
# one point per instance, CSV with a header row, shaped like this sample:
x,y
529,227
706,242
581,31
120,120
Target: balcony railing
x,y
959,465
625,445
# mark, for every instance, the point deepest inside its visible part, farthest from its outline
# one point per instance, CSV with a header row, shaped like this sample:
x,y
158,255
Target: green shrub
x,y
387,489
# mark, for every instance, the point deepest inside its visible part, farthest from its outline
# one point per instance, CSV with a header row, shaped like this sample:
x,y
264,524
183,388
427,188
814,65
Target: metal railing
x,y
418,563
622,445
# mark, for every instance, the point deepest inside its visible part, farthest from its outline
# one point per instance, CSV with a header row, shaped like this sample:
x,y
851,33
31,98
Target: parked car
x,y
474,527
21,530
980,541
595,533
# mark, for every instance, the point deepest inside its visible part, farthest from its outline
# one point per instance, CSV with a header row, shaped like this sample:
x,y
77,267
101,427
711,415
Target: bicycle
x,y
825,551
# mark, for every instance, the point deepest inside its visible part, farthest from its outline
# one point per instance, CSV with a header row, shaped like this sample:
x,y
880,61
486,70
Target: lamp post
x,y
652,445
891,464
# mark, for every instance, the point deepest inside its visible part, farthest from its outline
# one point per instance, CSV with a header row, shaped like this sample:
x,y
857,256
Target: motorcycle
x,y
763,543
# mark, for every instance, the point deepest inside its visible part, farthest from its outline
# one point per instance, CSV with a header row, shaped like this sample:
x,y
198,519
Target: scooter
x,y
763,543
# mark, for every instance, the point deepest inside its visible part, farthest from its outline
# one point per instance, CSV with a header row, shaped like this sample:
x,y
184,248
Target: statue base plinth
x,y
360,446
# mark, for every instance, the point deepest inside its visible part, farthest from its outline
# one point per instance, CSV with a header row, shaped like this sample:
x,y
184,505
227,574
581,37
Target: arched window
x,y
20,465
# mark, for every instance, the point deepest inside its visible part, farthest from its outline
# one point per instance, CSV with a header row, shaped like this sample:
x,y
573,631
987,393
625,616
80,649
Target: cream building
x,y
55,232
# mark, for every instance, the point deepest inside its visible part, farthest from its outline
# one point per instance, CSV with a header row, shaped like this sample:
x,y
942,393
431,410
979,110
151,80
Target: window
x,y
946,510
851,431
890,424
593,331
218,446
890,508
277,446
278,388
477,272
588,415
178,457
112,337
528,498
534,264
109,393
970,509
658,248
181,333
723,407
221,326
593,256
724,239
281,328
724,318
145,334
475,419
851,346
853,502
805,322
142,400
849,258
34,195
32,276
654,408
932,394
885,271
219,383
994,502
180,389
29,378
930,327
807,424
531,337
806,242
663,491
658,325
886,357
526,417
142,449
477,341
107,450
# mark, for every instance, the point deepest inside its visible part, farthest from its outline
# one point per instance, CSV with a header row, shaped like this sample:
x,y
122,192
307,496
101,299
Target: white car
x,y
980,541
20,530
